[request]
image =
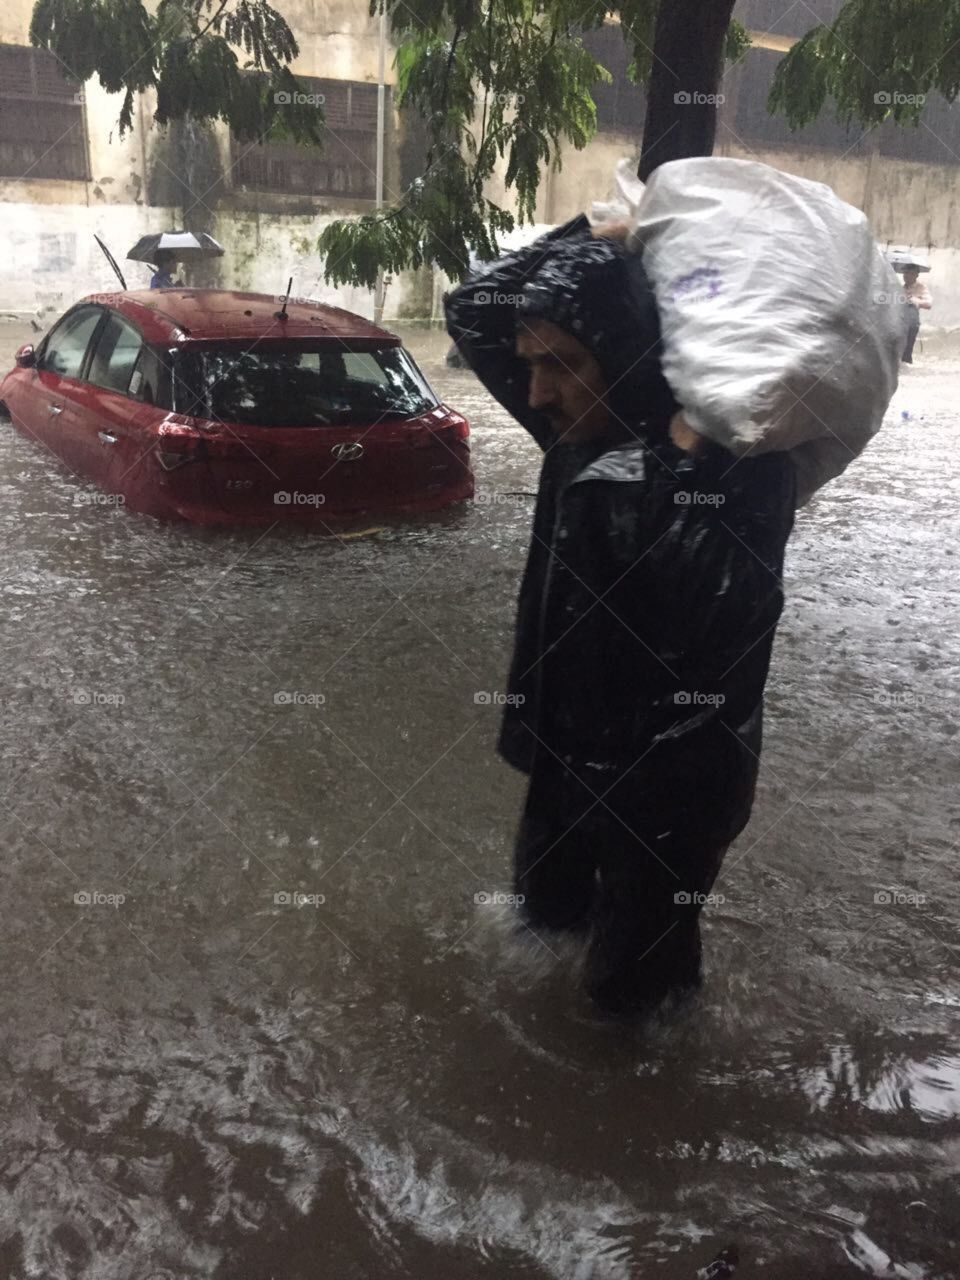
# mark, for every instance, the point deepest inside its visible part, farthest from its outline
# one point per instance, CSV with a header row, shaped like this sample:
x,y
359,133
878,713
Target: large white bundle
x,y
629,192
782,323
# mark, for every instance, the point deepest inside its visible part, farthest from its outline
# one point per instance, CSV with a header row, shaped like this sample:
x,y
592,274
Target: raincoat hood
x,y
592,289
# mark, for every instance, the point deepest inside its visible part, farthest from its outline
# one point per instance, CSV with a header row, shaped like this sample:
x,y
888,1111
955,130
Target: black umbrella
x,y
185,246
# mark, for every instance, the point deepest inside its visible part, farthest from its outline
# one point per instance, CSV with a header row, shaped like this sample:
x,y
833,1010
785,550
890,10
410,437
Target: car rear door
x,y
389,459
259,472
407,461
316,471
153,458
116,422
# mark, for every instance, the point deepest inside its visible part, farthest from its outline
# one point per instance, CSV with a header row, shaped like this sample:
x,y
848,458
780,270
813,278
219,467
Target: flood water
x,y
204,1080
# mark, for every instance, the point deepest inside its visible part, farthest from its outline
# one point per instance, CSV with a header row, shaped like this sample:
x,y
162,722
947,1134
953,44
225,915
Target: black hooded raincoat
x,y
645,623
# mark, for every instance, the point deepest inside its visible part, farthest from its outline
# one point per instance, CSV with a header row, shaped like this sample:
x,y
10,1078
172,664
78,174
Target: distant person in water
x,y
920,299
162,277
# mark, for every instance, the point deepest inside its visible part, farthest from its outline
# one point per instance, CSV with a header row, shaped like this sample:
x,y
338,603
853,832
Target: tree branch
x,y
215,18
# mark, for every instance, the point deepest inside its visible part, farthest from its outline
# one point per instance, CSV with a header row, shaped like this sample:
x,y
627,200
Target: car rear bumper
x,y
166,504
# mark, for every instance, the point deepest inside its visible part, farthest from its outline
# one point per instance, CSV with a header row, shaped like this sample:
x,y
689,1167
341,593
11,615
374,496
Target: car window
x,y
298,385
115,355
66,346
150,380
362,366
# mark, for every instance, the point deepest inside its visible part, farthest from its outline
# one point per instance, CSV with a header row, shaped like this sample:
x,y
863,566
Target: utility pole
x,y
381,124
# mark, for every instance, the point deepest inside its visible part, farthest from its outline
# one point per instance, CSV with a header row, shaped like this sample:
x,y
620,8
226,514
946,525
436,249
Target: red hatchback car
x,y
221,407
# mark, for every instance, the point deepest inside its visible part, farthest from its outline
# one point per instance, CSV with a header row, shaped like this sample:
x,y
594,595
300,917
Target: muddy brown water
x,y
200,1078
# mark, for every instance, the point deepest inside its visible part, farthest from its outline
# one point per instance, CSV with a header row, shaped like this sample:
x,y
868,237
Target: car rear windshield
x,y
299,385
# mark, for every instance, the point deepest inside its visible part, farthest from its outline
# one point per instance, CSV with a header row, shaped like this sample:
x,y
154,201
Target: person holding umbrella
x,y
162,277
164,249
920,298
915,293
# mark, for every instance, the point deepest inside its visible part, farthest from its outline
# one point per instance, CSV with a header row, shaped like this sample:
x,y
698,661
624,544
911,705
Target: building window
x,y
41,117
346,166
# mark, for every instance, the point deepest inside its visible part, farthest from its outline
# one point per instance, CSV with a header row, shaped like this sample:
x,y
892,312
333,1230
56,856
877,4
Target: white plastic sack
x,y
629,190
782,323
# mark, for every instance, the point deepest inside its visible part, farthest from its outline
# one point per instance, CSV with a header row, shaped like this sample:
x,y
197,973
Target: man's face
x,y
566,382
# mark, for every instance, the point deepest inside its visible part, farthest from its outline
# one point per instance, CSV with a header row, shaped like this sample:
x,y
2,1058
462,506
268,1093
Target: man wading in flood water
x,y
645,621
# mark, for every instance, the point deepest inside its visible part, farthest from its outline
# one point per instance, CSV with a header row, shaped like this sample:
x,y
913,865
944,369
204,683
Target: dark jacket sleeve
x,y
697,560
728,554
481,319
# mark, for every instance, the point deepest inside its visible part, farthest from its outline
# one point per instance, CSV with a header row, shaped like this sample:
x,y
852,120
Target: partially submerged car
x,y
223,407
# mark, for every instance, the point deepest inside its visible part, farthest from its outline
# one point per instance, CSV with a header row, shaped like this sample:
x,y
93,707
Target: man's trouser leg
x,y
645,943
554,866
913,328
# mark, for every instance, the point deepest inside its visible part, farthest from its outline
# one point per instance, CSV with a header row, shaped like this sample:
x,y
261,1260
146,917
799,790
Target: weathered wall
x,y
48,225
50,257
907,203
337,38
15,21
264,251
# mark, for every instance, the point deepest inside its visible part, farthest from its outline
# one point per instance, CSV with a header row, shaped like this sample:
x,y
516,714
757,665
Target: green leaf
x,y
879,59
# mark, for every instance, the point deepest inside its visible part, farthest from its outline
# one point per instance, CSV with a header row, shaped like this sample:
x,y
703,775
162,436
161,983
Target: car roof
x,y
187,315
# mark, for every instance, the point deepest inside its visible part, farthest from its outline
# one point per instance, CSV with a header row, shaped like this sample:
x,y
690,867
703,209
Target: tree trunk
x,y
688,49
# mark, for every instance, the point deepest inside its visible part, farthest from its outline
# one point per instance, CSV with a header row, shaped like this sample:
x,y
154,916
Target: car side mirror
x,y
27,356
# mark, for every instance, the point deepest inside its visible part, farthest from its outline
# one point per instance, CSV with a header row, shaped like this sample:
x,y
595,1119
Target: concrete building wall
x,y
907,203
48,224
910,203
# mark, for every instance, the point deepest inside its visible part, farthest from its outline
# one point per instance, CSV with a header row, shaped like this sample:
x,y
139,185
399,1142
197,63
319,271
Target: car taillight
x,y
455,425
176,448
170,461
